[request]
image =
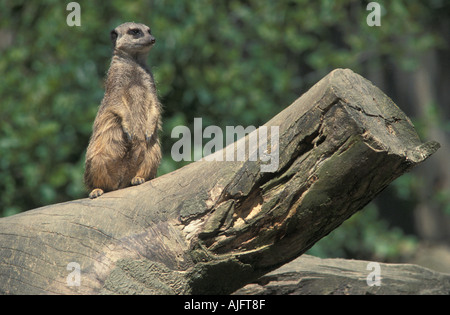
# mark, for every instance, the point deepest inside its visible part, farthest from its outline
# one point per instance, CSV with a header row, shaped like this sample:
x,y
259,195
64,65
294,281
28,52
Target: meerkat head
x,y
132,38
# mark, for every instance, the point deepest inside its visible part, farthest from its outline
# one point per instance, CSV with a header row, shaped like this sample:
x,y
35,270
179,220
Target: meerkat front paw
x,y
129,134
97,192
137,181
148,136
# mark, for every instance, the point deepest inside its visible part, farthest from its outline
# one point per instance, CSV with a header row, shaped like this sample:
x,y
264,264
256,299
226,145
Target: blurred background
x,y
230,63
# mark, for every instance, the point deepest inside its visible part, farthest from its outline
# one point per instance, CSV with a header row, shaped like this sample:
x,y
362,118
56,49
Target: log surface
x,y
212,227
308,275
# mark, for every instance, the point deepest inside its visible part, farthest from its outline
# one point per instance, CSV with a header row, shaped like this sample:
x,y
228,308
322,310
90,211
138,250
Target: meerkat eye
x,y
134,31
150,31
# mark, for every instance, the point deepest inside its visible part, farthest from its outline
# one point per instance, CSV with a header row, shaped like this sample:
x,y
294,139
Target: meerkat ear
x,y
114,37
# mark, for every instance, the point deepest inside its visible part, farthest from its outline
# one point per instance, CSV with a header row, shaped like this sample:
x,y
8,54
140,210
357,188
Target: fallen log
x,y
213,226
309,275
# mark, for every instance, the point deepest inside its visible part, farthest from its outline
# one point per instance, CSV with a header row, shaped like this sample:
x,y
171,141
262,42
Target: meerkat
x,y
124,148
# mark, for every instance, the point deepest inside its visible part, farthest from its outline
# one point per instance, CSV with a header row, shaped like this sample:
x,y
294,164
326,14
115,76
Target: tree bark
x,y
213,226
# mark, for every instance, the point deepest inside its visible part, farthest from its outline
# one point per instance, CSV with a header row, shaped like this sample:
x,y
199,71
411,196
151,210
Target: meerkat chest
x,y
140,90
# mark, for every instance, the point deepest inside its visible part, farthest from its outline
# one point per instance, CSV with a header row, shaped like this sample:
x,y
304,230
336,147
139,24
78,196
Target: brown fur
x,y
124,148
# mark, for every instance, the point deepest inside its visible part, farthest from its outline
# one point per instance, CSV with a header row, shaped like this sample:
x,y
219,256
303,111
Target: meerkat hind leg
x,y
137,180
97,192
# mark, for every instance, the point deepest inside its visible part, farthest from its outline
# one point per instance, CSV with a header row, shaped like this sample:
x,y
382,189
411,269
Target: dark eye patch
x,y
134,31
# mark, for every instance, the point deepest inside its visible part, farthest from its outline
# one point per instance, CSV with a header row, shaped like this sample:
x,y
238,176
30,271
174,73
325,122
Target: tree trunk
x,y
213,226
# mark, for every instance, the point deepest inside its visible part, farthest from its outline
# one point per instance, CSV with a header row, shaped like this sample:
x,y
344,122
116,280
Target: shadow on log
x,y
212,226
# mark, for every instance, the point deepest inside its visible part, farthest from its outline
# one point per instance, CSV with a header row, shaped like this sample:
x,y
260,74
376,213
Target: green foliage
x,y
229,62
366,236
